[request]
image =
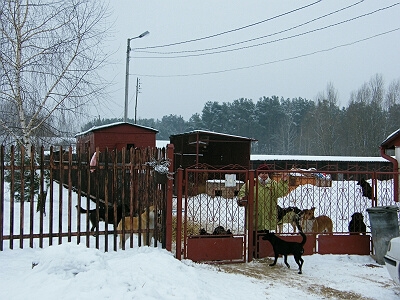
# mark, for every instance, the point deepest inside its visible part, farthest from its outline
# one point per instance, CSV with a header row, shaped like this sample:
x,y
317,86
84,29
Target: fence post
x,y
31,194
178,239
170,186
42,197
250,217
1,195
69,193
374,189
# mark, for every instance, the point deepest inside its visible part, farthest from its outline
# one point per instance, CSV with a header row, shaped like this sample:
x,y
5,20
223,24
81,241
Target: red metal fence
x,y
44,213
208,202
39,192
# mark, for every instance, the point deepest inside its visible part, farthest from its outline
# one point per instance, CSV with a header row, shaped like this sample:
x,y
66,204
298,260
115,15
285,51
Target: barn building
x,y
116,136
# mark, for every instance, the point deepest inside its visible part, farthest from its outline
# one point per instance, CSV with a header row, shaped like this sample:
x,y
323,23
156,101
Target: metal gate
x,y
207,198
214,226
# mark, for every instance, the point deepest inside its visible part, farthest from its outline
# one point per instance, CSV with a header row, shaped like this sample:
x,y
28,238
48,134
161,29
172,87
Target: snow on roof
x,y
162,143
254,157
391,137
214,133
94,128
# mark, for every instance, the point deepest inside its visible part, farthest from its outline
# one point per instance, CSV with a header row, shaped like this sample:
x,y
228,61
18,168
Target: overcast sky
x,y
283,48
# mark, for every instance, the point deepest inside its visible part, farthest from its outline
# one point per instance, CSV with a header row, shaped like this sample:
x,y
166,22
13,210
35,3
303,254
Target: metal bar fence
x,y
41,192
209,202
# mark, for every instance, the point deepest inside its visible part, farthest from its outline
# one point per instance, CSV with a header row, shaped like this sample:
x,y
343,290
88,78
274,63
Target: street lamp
x,y
128,50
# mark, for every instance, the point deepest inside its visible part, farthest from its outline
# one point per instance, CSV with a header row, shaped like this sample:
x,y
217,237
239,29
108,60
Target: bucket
x,y
384,226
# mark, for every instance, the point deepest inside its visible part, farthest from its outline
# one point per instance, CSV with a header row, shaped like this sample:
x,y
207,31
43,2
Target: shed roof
x,y
216,134
391,140
95,128
271,157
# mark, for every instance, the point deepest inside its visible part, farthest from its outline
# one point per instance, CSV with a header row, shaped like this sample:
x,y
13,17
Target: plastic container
x,y
392,259
384,226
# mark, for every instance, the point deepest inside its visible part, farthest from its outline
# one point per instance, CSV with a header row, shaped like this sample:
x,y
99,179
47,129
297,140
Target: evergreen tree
x,y
23,177
297,126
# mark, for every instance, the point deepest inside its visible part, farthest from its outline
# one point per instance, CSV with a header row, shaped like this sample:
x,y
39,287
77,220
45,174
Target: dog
x,y
203,232
366,188
148,215
288,215
320,224
219,230
102,215
357,224
285,248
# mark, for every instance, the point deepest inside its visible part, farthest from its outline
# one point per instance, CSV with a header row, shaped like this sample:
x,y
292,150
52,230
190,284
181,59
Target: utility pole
x,y
137,92
128,50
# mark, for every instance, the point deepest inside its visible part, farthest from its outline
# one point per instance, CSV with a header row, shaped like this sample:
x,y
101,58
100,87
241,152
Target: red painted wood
x,y
118,136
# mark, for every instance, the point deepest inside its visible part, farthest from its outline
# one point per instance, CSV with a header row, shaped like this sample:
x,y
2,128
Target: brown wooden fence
x,y
39,192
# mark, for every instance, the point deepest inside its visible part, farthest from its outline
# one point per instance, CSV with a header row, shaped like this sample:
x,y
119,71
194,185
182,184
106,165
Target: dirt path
x,y
259,269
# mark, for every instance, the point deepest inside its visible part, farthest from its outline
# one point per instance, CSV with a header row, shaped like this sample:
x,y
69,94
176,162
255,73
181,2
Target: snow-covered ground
x,y
71,271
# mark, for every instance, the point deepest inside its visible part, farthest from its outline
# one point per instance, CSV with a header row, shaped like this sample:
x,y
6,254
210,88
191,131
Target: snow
x,y
391,136
71,271
269,157
214,133
94,128
162,143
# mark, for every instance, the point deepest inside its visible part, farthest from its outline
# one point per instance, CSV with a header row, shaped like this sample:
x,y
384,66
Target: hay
x,y
192,229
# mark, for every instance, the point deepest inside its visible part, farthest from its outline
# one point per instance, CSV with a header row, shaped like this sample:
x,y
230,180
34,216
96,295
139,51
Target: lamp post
x,y
128,50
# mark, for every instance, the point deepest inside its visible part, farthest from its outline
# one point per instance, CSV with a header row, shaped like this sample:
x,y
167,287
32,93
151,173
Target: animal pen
x,y
191,203
207,198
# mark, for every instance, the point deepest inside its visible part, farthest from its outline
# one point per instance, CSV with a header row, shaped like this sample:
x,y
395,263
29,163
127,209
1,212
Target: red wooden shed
x,y
116,136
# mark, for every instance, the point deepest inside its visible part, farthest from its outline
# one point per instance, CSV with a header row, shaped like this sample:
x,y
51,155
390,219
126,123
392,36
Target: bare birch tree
x,y
50,54
393,94
326,121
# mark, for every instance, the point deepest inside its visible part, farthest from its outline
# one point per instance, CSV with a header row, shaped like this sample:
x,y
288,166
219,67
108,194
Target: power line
x,y
232,30
254,39
276,40
276,61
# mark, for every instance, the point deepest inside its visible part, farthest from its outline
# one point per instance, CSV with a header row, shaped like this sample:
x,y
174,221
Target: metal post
x,y
137,92
128,50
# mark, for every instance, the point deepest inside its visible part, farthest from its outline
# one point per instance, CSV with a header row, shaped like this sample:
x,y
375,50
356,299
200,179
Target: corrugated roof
x,y
94,128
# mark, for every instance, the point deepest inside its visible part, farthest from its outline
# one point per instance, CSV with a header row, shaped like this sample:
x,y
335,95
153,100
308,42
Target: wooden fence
x,y
39,192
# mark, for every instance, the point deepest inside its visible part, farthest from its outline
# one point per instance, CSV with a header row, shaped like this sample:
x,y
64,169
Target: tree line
x,y
297,126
